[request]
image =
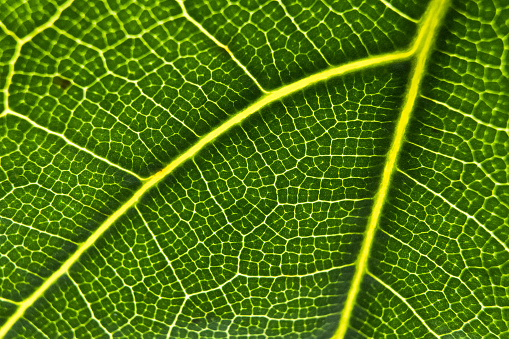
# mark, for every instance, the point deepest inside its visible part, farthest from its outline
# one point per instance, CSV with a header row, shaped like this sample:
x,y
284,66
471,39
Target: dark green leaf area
x,y
23,18
258,234
125,280
6,308
52,196
63,310
447,258
282,42
392,316
262,306
139,102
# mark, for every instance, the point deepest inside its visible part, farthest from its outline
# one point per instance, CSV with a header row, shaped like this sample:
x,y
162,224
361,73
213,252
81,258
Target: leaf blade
x,y
247,199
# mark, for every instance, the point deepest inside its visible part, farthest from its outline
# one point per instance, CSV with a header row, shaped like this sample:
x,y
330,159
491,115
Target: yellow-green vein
x,y
422,49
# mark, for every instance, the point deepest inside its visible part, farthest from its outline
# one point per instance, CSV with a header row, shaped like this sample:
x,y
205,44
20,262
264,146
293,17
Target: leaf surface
x,y
188,169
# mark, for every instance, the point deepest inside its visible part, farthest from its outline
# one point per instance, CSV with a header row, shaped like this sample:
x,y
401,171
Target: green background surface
x,y
258,235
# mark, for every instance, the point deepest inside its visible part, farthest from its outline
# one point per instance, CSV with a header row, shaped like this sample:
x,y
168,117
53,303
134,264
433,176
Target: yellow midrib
x,y
153,180
422,48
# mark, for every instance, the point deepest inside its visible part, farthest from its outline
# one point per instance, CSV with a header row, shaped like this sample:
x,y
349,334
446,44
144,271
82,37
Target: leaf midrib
x,y
415,49
423,47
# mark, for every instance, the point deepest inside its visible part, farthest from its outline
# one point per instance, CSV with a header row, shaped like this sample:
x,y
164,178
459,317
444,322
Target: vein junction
x,y
420,50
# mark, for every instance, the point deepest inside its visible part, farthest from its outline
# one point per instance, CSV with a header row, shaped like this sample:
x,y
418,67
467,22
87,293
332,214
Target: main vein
x,y
421,49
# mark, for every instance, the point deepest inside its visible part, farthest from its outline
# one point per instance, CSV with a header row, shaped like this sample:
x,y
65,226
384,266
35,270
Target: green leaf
x,y
261,169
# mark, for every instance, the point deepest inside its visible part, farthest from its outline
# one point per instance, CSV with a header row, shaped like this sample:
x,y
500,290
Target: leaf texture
x,y
261,169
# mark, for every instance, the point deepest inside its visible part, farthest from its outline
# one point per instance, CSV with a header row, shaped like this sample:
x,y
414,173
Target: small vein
x,y
13,222
25,270
328,270
477,120
220,287
71,143
431,260
168,261
31,184
88,305
171,267
5,300
478,165
8,78
397,11
172,325
213,198
218,43
303,32
48,23
20,43
419,251
457,209
134,82
36,328
381,282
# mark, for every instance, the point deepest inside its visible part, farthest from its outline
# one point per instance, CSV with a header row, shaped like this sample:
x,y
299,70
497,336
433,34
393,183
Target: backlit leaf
x,y
254,169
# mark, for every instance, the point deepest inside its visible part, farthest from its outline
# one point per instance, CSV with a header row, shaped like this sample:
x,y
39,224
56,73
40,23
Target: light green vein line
x,y
422,48
397,11
380,281
190,153
218,43
10,74
89,306
8,31
9,301
36,125
454,207
21,42
48,23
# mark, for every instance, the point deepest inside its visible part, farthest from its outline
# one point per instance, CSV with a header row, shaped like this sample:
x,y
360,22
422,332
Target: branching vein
x,y
36,125
422,48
